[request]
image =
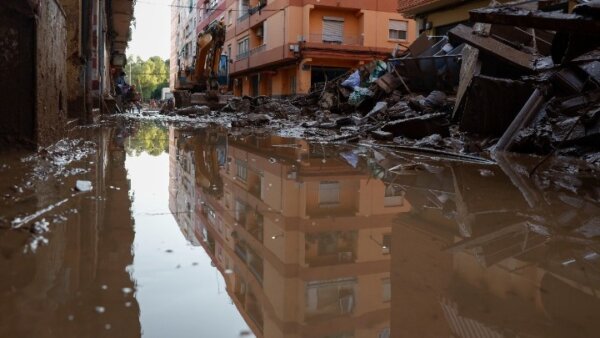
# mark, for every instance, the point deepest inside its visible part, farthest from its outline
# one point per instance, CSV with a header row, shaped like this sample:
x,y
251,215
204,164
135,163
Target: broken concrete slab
x,y
492,104
470,66
490,46
419,127
521,17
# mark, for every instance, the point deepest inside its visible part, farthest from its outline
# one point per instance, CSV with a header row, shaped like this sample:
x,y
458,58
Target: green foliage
x,y
149,76
152,138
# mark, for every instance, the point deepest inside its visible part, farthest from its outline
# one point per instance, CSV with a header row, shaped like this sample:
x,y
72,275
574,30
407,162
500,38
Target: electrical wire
x,y
205,8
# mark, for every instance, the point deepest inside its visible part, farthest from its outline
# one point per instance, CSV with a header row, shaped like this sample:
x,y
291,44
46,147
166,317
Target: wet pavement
x,y
208,232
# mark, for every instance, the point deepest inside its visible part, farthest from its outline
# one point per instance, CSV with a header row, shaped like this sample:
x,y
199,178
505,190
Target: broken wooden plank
x,y
520,17
490,46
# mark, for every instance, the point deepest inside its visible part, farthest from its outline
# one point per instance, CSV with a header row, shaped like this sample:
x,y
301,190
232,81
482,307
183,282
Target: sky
x,y
152,34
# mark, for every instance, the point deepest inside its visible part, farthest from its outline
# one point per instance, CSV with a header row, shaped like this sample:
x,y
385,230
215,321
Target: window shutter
x,y
398,25
333,29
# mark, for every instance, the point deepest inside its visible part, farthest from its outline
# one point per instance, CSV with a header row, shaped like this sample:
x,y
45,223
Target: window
x,y
243,48
244,5
242,170
398,29
230,17
329,193
333,29
386,290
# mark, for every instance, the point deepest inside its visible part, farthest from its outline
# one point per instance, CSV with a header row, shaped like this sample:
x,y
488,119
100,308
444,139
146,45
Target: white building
x,y
183,36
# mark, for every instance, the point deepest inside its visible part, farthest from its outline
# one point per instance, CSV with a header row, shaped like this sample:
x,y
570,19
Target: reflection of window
x,y
386,290
384,333
330,297
394,196
329,193
242,170
387,244
398,29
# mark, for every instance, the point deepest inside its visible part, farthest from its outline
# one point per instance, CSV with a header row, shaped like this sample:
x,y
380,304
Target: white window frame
x,y
394,25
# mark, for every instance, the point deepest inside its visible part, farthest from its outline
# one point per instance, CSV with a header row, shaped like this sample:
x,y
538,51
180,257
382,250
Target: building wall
x,y
51,84
17,70
34,49
289,22
75,65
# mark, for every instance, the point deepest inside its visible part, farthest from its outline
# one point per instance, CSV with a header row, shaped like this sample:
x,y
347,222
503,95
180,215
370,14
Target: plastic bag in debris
x,y
351,158
380,69
359,95
353,80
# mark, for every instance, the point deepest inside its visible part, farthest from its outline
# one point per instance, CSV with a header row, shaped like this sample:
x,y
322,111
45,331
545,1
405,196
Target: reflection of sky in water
x,y
189,301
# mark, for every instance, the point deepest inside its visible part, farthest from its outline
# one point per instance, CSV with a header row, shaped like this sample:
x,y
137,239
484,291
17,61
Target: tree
x,y
148,76
152,138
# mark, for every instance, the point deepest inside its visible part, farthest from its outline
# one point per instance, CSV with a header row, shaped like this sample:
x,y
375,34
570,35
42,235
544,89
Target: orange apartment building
x,y
283,47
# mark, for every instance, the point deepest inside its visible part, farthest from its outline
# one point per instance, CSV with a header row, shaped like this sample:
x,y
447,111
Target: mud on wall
x,y
51,84
75,59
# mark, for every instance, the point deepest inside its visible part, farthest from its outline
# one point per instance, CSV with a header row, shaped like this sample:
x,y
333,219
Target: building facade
x,y
183,36
437,17
58,58
284,47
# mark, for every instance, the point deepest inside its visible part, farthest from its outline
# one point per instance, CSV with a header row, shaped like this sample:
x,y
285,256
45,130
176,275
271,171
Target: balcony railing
x,y
242,56
258,49
336,39
243,16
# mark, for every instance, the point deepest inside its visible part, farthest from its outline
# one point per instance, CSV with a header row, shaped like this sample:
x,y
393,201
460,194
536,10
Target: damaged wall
x,y
75,61
51,84
32,48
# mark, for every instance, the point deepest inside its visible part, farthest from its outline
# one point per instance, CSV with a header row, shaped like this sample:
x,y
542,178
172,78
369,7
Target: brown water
x,y
200,232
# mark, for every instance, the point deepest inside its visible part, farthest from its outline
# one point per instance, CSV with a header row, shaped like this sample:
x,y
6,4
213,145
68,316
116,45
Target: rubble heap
x,y
520,79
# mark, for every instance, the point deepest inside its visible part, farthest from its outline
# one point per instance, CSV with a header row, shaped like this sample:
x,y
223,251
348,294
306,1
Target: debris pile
x,y
520,79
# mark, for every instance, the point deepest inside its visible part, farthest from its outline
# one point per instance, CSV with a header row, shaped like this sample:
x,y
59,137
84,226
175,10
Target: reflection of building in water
x,y
302,238
182,181
478,258
55,291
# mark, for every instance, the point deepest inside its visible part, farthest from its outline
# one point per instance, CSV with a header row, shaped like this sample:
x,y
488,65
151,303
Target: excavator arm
x,y
208,54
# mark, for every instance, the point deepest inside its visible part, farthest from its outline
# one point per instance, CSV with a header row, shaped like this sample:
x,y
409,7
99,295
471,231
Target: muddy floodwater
x,y
145,228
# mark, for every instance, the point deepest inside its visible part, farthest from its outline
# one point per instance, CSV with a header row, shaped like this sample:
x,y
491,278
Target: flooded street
x,y
210,232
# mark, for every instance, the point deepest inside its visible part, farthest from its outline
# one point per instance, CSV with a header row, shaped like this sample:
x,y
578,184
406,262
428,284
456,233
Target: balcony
x,y
258,49
334,40
243,17
243,55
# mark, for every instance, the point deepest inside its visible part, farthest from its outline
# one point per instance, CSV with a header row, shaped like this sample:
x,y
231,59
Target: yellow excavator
x,y
203,84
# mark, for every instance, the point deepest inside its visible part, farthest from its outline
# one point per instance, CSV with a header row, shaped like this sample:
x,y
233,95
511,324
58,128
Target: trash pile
x,y
523,78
